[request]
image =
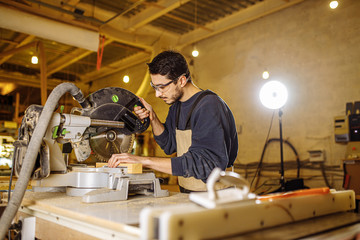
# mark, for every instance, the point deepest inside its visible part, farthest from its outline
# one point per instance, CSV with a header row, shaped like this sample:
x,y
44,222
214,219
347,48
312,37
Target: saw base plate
x,y
101,184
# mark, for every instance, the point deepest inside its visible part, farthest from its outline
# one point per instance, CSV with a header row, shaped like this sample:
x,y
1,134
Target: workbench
x,y
63,217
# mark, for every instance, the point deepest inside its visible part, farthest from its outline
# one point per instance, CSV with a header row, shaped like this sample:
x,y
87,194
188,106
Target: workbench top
x,y
124,212
120,219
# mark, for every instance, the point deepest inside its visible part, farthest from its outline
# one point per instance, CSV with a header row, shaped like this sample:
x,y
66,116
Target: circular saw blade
x,y
110,142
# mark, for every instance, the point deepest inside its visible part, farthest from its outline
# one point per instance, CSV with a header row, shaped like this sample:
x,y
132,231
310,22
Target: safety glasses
x,y
163,87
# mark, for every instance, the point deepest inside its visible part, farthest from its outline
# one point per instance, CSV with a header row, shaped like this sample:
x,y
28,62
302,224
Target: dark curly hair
x,y
170,64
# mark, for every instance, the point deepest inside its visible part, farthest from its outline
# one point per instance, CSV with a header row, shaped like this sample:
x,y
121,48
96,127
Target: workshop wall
x,y
313,50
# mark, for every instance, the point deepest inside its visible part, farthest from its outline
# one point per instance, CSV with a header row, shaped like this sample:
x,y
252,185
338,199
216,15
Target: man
x,y
199,127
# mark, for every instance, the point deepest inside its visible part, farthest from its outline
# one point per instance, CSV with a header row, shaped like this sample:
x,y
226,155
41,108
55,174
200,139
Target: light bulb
x,y
334,4
265,75
126,79
273,95
195,53
34,60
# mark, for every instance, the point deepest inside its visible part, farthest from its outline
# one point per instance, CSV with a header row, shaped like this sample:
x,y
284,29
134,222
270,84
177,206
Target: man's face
x,y
166,89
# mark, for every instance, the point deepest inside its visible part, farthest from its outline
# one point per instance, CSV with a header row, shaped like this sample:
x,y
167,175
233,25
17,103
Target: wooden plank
x,y
132,168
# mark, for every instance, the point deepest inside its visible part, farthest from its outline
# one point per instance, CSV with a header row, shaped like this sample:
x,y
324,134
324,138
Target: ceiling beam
x,y
116,67
153,12
70,58
115,28
136,40
249,14
26,80
23,42
187,22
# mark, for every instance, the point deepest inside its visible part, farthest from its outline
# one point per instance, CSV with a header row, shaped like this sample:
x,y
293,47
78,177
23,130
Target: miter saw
x,y
103,126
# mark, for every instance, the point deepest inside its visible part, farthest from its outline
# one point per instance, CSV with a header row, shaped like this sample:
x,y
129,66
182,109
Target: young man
x,y
199,127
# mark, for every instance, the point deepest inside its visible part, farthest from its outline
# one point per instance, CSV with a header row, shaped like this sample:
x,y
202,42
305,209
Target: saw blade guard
x,y
115,104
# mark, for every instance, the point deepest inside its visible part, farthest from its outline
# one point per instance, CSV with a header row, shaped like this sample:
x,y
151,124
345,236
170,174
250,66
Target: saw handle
x,y
146,121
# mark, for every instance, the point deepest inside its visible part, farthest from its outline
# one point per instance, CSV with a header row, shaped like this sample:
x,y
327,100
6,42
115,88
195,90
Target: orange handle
x,y
297,193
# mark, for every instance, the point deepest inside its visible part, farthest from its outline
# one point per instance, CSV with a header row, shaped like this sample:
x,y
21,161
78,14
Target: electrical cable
x,y
262,155
293,149
324,174
100,51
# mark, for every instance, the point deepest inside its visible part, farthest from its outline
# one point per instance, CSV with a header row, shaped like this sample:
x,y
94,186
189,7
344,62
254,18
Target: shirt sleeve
x,y
210,140
167,139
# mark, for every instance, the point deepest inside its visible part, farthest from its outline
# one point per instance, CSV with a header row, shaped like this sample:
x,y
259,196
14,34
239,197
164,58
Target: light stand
x,y
273,95
282,180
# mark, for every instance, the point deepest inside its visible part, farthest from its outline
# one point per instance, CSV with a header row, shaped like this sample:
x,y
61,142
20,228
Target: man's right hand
x,y
148,111
143,113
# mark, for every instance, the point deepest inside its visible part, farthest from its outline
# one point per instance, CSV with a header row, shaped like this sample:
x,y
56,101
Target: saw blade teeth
x,y
115,147
132,143
104,148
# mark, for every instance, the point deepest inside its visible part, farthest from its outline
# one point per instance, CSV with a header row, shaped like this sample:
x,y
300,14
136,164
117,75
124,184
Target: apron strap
x,y
203,94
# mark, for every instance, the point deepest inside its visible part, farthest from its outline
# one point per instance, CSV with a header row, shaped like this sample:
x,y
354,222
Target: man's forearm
x,y
158,164
157,126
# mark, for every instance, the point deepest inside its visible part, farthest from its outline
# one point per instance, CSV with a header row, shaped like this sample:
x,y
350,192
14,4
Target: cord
x,y
262,155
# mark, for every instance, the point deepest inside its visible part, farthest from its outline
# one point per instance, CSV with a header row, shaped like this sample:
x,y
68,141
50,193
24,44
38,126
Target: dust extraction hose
x,y
32,152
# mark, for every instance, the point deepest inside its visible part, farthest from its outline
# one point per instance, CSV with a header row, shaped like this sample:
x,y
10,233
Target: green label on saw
x,y
115,98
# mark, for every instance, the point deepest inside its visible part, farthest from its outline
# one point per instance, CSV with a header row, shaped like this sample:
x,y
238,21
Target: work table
x,y
59,216
110,220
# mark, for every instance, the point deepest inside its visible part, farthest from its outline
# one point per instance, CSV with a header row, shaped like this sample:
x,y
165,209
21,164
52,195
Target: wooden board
x,y
132,168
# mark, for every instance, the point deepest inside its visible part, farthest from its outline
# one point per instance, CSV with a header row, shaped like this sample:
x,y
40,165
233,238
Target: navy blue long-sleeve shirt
x,y
214,137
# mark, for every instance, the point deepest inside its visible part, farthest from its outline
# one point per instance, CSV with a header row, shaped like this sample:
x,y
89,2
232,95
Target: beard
x,y
175,97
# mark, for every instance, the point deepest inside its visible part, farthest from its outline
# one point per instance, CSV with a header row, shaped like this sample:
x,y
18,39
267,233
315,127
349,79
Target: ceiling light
x,y
265,75
126,79
34,60
334,4
195,53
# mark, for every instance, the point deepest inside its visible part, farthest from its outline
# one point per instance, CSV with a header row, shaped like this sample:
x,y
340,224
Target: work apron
x,y
183,143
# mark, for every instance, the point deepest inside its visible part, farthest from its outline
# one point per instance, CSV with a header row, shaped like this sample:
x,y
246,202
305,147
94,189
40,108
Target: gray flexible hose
x,y
32,152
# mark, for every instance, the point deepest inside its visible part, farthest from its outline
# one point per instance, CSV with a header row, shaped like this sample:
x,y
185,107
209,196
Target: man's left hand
x,y
116,159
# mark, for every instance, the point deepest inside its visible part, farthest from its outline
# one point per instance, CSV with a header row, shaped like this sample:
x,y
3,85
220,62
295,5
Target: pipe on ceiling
x,y
48,29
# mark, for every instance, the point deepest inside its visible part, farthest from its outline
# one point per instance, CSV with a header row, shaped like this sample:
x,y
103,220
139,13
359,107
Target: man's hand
x,y
143,113
156,163
148,111
116,159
